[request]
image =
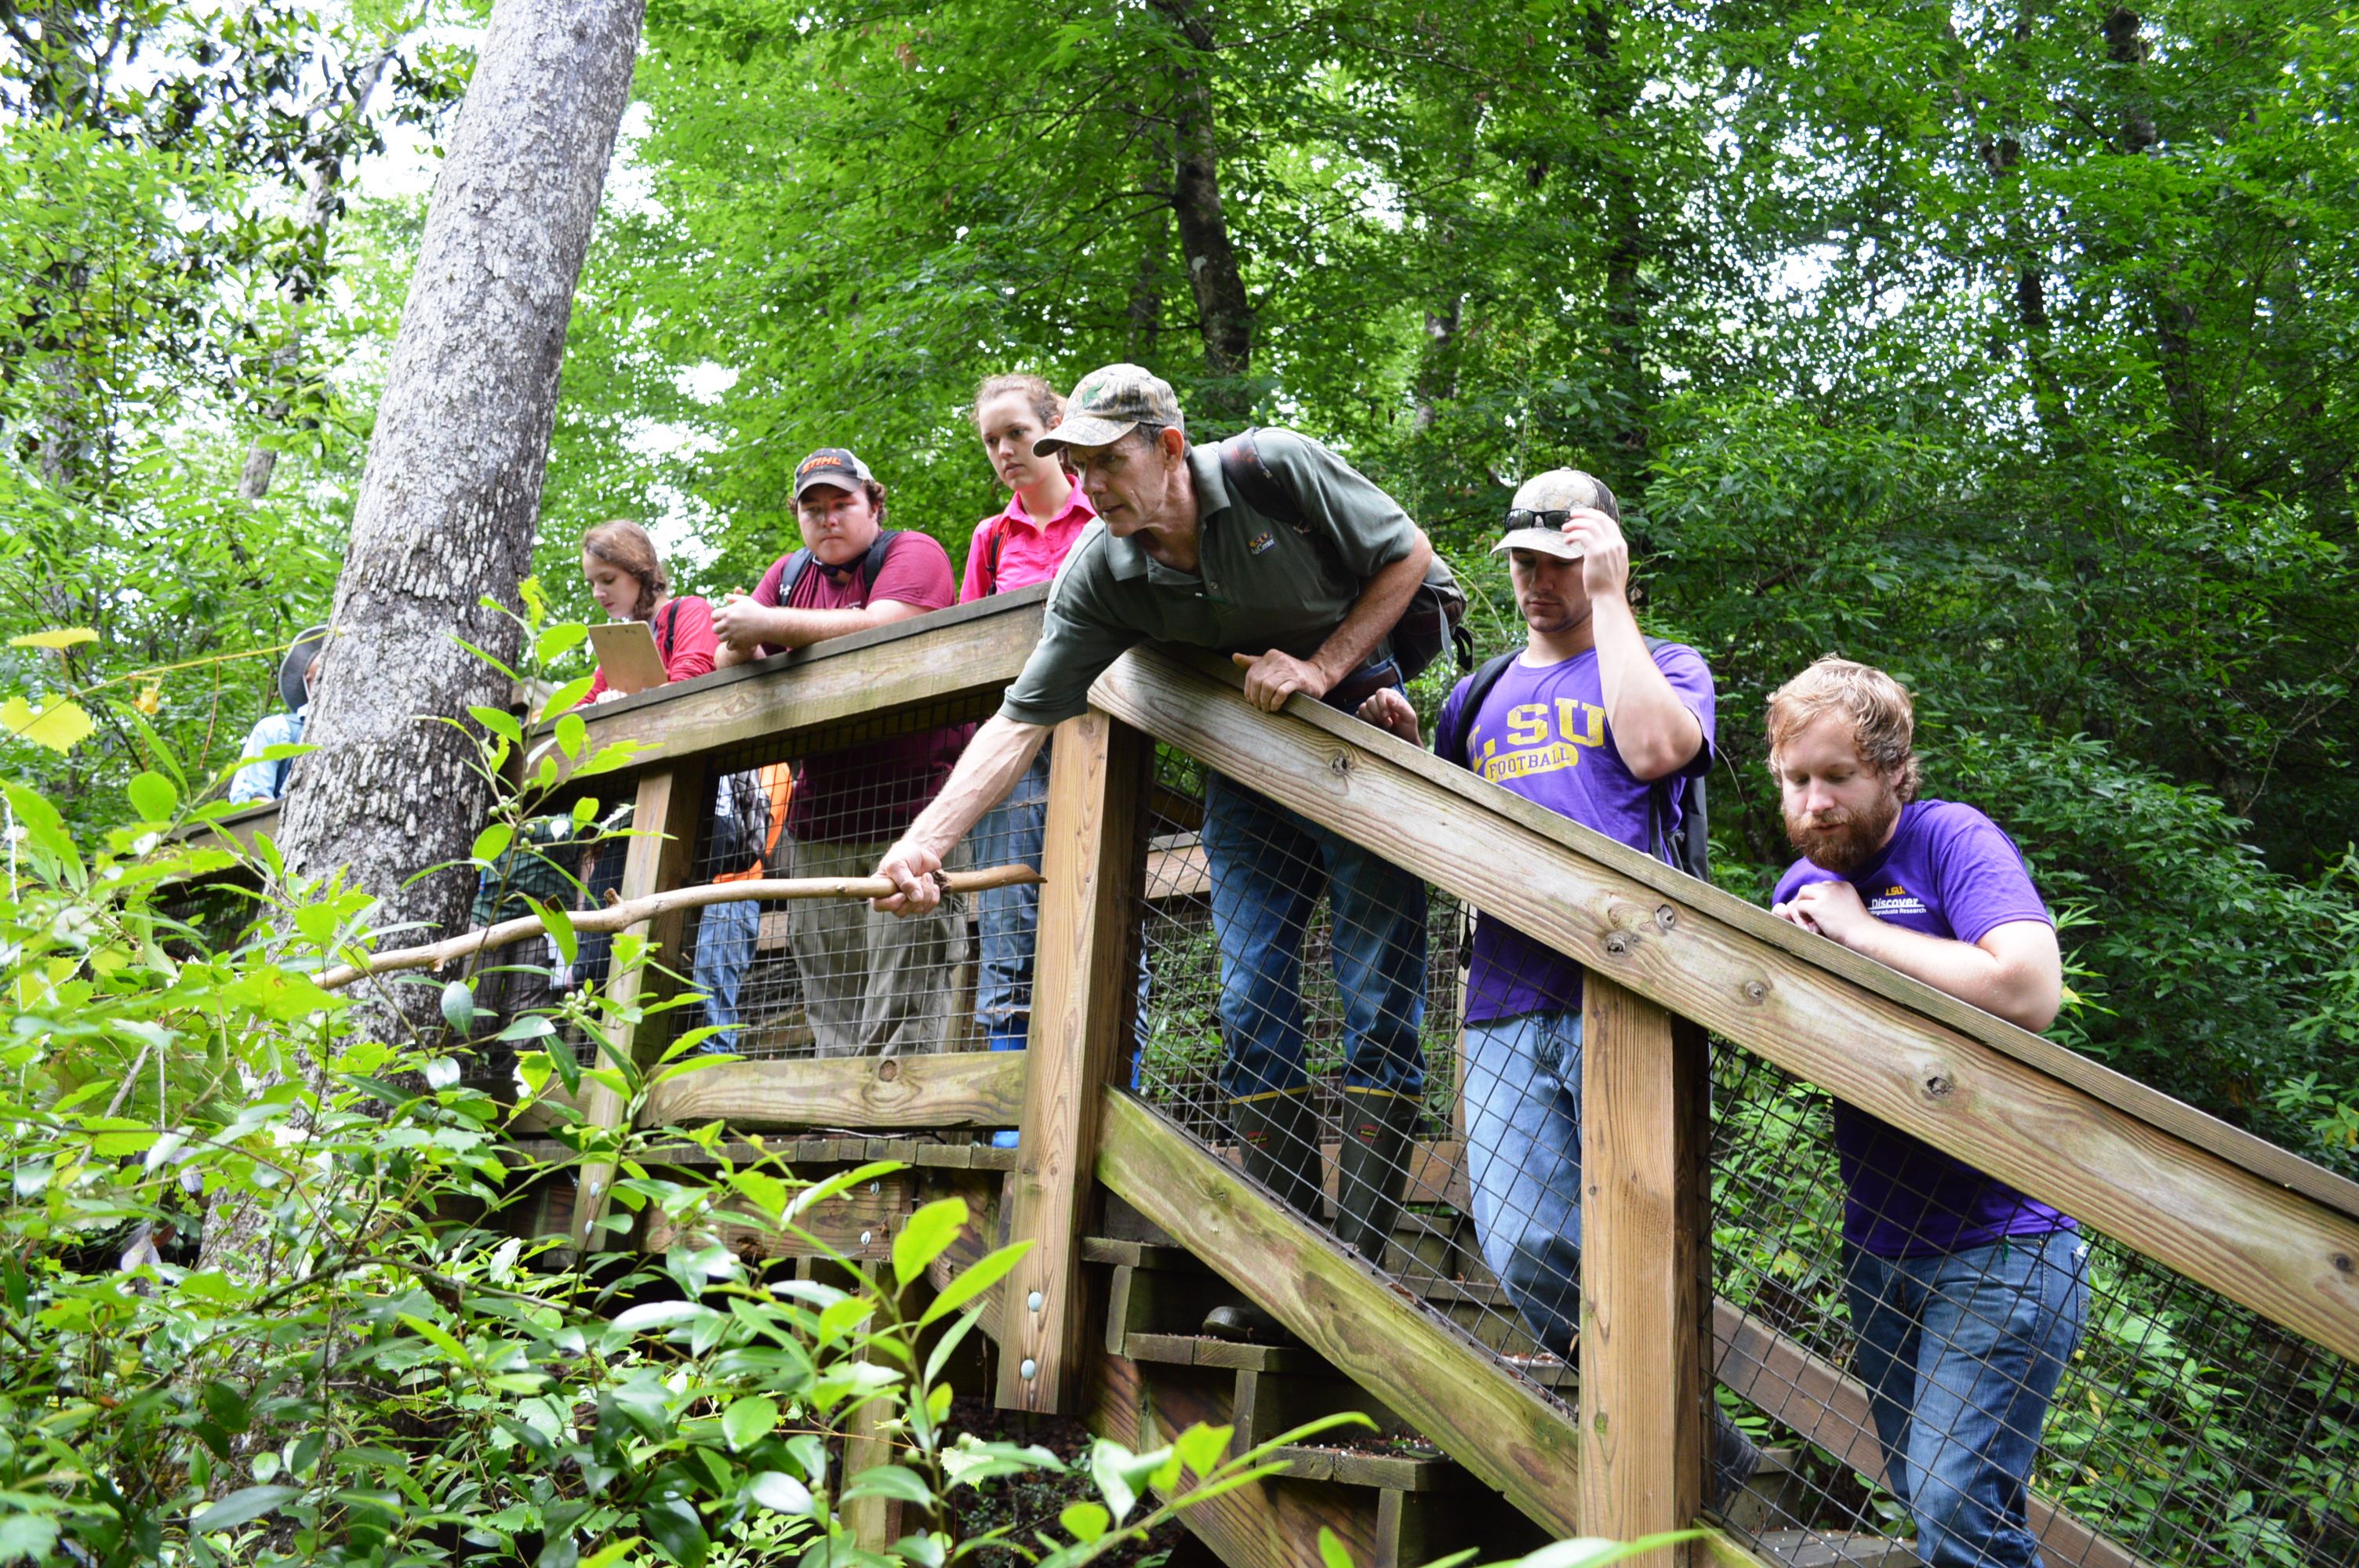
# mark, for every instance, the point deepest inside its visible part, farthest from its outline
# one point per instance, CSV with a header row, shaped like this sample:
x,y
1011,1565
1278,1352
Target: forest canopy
x,y
2011,348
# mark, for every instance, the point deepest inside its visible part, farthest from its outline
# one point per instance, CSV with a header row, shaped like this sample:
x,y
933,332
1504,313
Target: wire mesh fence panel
x,y
1867,1300
831,977
1303,1017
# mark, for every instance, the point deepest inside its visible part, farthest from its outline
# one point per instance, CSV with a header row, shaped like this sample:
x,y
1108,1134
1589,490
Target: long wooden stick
x,y
631,912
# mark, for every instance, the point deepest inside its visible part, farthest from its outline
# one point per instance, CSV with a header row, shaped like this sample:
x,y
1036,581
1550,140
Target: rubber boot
x,y
1373,1168
1280,1136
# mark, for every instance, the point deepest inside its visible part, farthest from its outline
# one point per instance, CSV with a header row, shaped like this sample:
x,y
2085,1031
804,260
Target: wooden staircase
x,y
1136,1226
1395,1495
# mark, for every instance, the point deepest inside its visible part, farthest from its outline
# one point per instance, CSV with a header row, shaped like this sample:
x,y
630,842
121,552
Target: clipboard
x,y
626,651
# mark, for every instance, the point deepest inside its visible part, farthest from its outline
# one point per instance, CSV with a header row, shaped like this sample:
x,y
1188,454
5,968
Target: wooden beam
x,y
962,653
2256,1223
1179,681
959,1089
1093,856
1644,1360
1452,1392
658,855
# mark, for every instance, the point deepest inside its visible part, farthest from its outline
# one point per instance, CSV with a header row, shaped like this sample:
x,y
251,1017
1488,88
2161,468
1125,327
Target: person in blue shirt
x,y
298,673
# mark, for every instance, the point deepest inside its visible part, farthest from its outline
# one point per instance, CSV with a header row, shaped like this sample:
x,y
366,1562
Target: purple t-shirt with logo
x,y
1542,732
1948,872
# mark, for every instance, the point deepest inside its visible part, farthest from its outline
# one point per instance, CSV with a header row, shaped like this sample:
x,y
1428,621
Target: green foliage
x,y
380,1362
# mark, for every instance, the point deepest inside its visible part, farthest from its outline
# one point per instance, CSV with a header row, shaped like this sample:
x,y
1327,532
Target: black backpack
x,y
1686,848
740,823
1435,618
870,565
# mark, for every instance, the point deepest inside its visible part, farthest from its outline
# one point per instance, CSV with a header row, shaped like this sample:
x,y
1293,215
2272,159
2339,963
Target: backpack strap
x,y
1250,479
991,557
665,641
1676,850
1450,744
797,564
871,564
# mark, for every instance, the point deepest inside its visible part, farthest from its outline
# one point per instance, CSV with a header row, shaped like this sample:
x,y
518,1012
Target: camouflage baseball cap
x,y
1536,517
1109,403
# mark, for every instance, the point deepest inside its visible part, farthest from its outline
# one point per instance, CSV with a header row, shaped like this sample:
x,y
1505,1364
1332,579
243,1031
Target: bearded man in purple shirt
x,y
1967,1296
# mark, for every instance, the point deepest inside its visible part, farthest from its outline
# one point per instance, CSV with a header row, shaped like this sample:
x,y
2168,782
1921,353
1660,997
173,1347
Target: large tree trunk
x,y
453,488
1223,311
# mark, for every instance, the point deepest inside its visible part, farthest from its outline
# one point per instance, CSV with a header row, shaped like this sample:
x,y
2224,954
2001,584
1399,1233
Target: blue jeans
x,y
1268,866
1960,1352
726,938
1523,1164
1007,920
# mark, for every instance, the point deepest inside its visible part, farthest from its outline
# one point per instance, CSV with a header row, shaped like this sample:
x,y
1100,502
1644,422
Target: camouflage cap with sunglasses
x,y
1536,516
1107,404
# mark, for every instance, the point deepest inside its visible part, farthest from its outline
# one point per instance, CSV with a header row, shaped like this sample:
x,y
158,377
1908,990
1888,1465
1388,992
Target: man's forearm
x,y
1655,733
986,771
1970,972
1374,613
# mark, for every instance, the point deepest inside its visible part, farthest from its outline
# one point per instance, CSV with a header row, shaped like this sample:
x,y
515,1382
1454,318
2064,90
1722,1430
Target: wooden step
x,y
1228,1354
1422,1470
1831,1549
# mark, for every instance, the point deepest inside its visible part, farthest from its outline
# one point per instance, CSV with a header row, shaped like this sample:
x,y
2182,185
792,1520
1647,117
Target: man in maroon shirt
x,y
873,985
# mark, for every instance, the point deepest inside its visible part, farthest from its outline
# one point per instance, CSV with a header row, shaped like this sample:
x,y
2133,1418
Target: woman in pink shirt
x,y
627,579
1020,544
1024,541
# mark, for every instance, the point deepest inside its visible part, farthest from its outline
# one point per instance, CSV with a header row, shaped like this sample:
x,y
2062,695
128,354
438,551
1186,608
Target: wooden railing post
x,y
1094,861
1646,1347
660,854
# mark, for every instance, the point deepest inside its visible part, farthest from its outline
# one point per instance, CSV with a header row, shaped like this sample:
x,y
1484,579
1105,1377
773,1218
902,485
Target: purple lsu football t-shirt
x,y
1542,732
1948,872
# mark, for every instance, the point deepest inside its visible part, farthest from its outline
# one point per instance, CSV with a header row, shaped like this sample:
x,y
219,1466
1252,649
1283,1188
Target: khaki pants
x,y
873,985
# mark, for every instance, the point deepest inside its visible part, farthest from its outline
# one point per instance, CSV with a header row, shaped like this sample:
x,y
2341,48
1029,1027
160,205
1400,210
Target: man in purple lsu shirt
x,y
1967,1297
1594,724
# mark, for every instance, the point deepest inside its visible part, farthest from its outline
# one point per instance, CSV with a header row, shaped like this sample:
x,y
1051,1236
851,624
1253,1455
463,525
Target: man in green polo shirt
x,y
1304,606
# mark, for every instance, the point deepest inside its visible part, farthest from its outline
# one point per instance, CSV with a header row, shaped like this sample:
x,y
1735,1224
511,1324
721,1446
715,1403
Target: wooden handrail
x,y
949,657
2255,1222
959,655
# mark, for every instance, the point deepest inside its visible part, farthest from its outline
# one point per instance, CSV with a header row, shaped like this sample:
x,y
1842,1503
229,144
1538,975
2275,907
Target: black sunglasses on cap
x,y
1522,518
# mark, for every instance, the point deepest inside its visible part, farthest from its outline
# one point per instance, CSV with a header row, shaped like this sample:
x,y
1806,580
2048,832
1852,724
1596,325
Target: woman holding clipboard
x,y
629,581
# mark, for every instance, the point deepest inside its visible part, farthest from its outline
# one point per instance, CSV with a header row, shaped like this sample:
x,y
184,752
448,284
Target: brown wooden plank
x,y
875,1521
1179,869
1794,1386
1449,1391
1140,1254
960,1088
1093,854
658,855
1163,691
951,656
863,1234
1274,1523
1645,1140
2256,1223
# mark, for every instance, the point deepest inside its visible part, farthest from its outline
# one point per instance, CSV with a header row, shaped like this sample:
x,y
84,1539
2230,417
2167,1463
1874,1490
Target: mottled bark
x,y
452,487
1627,287
1223,311
1144,313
